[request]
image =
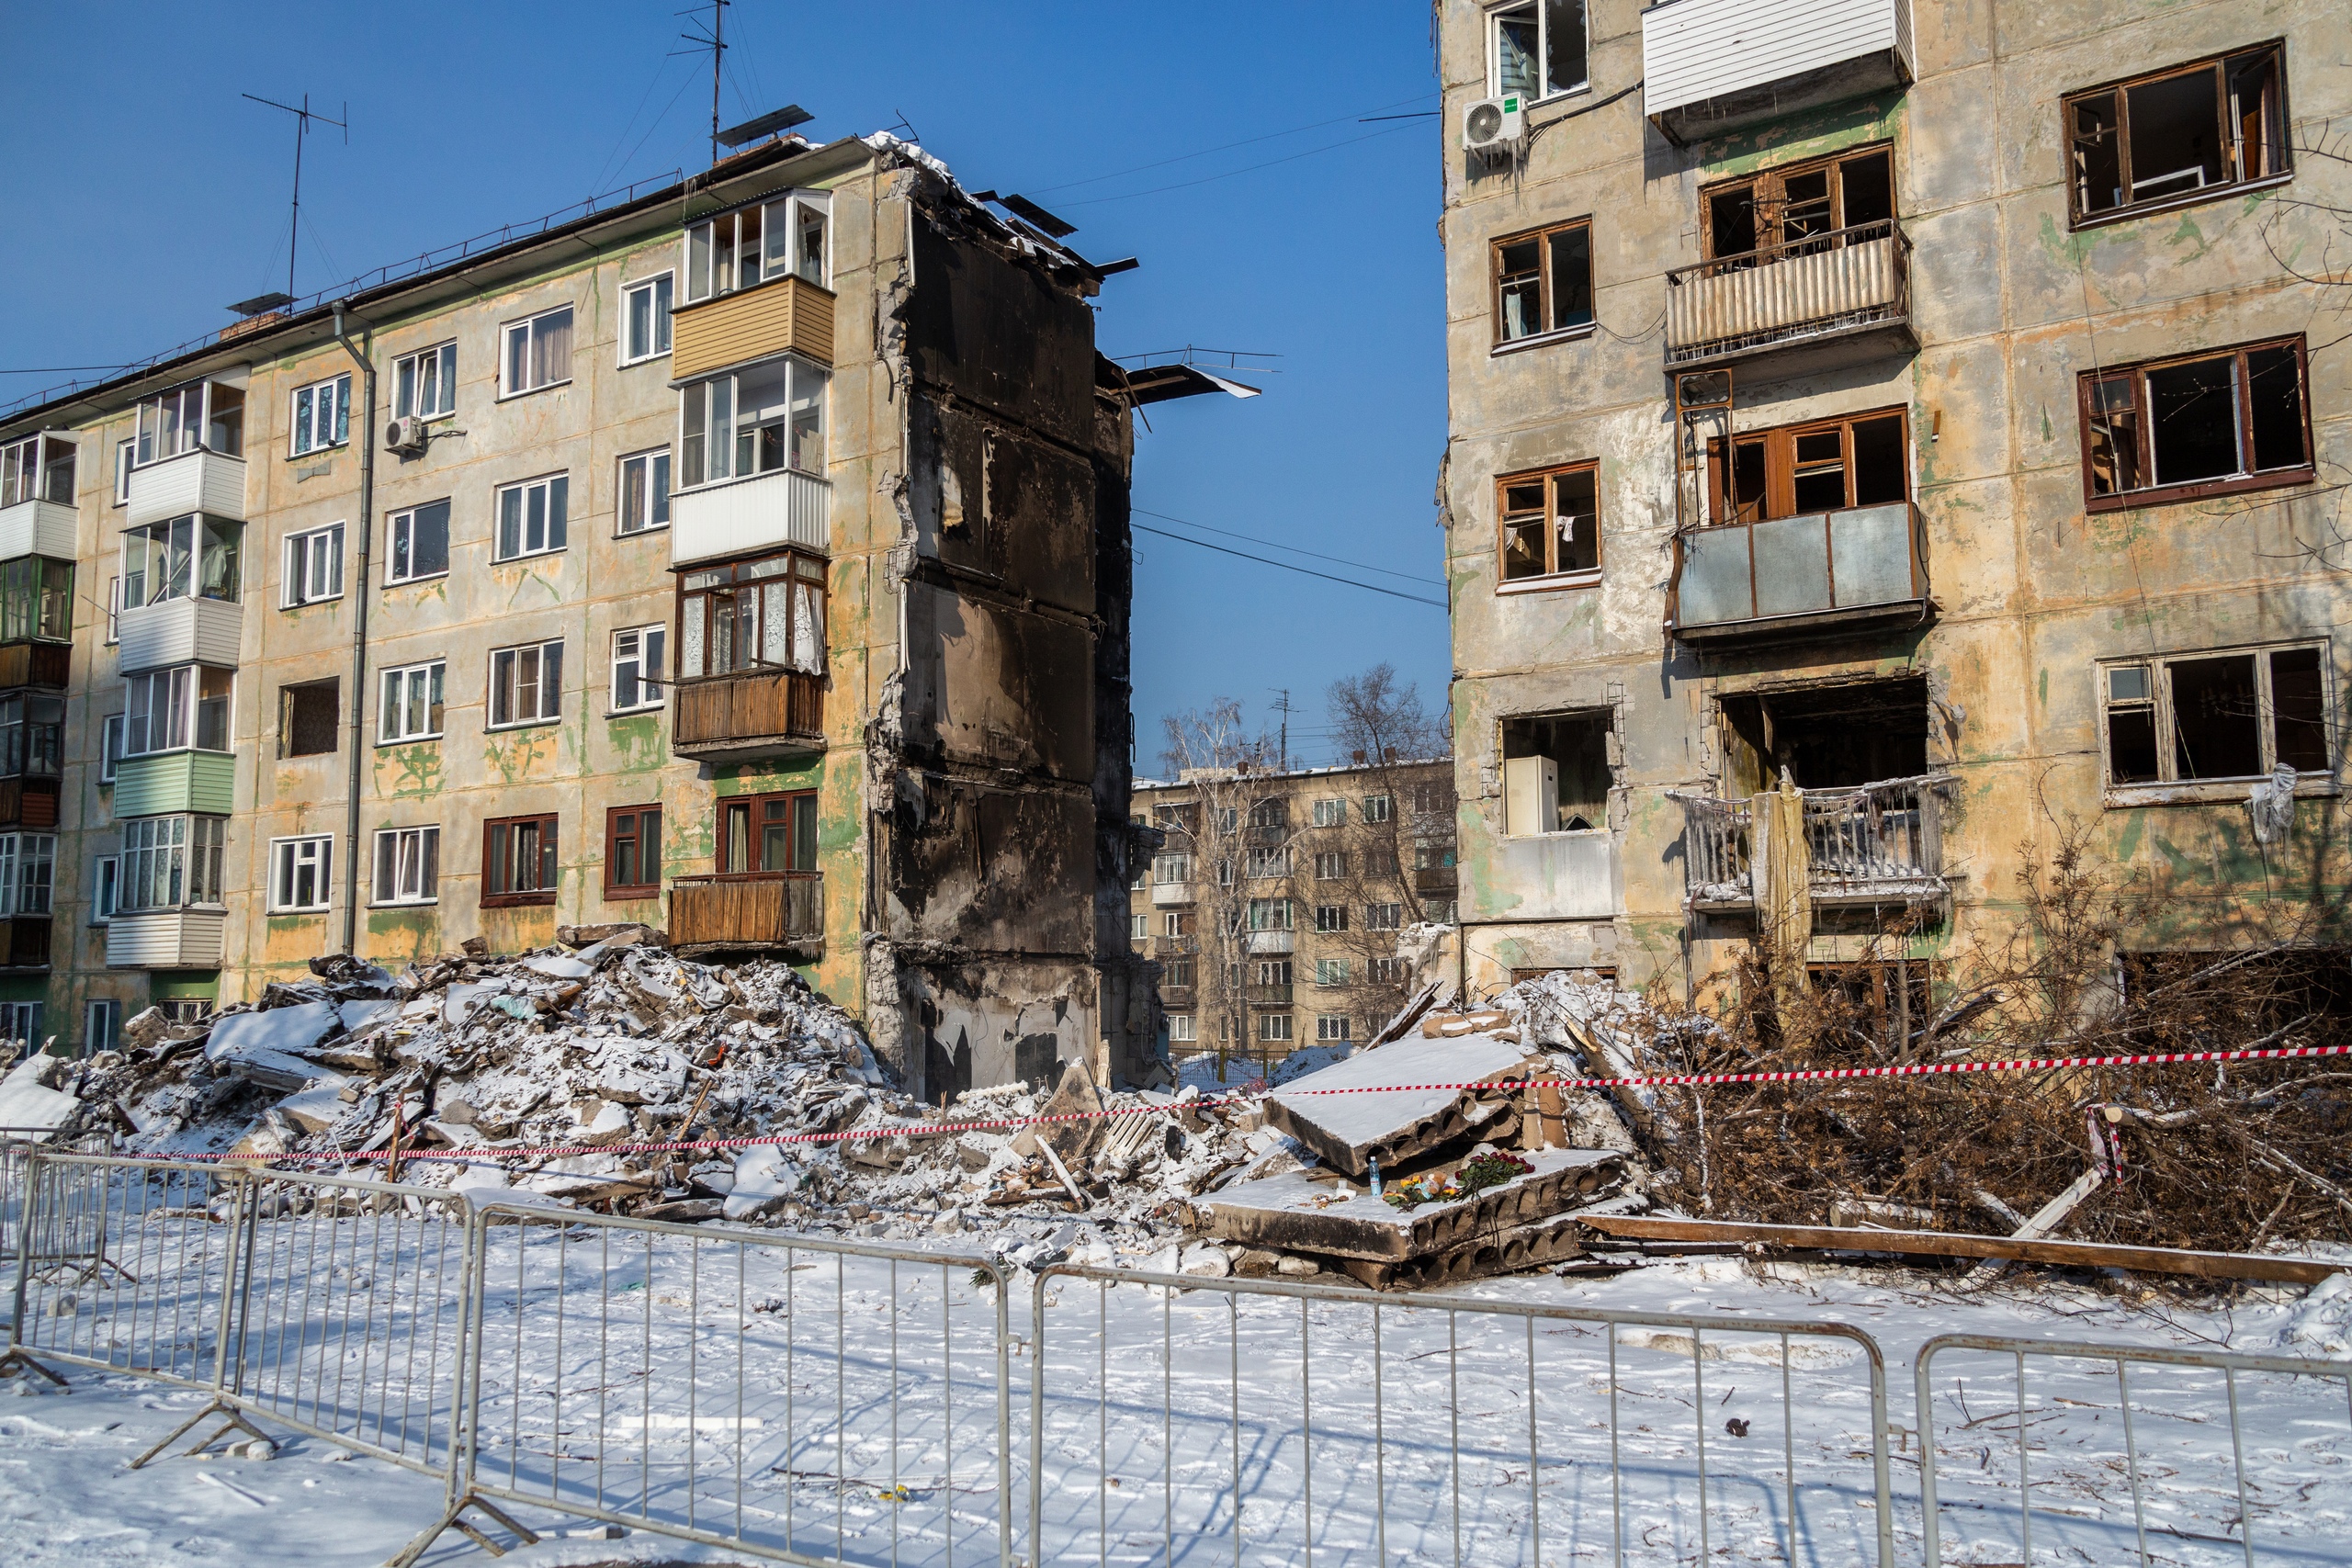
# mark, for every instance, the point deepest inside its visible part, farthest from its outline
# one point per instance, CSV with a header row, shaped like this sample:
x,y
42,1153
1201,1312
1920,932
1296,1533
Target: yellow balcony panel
x,y
784,314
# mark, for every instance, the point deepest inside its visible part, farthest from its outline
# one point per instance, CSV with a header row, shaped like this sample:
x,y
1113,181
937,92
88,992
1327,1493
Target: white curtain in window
x,y
807,628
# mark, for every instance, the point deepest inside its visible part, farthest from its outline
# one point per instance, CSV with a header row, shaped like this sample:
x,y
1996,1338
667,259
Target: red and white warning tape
x,y
945,1129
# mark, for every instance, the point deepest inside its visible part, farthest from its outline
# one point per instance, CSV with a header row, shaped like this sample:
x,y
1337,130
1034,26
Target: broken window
x,y
2216,715
1804,206
1555,773
764,613
1860,460
309,719
192,556
518,863
1551,525
1543,282
1269,863
1538,49
2178,429
1837,735
32,735
768,835
1176,974
2182,134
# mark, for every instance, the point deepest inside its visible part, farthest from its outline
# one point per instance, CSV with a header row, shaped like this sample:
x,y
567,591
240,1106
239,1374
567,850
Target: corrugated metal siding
x,y
37,528
1782,294
193,481
179,631
1697,49
786,507
791,315
169,939
176,782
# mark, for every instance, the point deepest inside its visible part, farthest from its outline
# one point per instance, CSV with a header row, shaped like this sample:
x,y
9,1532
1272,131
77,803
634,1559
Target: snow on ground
x,y
644,1374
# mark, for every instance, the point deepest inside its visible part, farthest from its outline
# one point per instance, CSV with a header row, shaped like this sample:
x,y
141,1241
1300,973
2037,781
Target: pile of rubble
x,y
536,1078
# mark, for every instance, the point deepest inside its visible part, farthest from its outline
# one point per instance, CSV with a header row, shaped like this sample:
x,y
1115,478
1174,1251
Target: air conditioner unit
x,y
1495,125
406,436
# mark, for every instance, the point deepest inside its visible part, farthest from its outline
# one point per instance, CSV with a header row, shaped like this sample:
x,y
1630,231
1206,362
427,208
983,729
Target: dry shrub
x,y
2212,1156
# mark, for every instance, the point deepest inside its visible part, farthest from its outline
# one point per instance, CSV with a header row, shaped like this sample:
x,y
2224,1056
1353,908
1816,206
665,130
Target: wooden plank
x,y
1947,1244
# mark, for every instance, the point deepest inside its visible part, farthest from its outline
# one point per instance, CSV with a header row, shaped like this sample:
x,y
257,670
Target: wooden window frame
x,y
1545,288
614,836
1780,465
1586,576
1775,181
549,854
722,839
2234,181
2305,472
2167,787
696,642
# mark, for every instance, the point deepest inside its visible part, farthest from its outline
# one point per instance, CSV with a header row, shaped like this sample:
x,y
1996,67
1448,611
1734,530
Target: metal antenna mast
x,y
303,119
1282,707
717,43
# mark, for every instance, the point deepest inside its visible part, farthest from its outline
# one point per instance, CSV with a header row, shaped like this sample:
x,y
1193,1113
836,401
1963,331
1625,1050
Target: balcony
x,y
200,481
1271,996
1826,573
1868,845
746,516
766,713
1844,295
783,912
1175,946
165,938
37,528
180,631
786,313
1175,996
35,663
24,943
1442,879
1273,942
1709,67
1167,894
167,783
27,803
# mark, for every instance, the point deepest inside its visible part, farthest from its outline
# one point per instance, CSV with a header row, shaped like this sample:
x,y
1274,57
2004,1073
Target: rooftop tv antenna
x,y
713,39
303,119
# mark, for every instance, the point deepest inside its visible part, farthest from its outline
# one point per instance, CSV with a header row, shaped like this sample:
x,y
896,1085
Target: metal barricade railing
x,y
781,1396
2116,1453
1305,1423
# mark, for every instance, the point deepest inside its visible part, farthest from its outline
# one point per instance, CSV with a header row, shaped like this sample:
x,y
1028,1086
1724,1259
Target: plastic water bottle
x,y
1374,1163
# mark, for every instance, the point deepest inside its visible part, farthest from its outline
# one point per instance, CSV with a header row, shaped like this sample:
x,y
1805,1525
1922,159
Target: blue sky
x,y
1221,144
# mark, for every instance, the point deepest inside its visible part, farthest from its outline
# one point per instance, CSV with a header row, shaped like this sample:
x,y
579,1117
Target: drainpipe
x,y
364,353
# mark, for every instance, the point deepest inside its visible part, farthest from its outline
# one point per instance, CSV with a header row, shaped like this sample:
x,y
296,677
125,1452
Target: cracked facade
x,y
747,559
1936,398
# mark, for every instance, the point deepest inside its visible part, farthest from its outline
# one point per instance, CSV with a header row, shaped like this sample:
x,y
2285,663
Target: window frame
x,y
95,1037
1332,1028
1274,1029
393,547
547,850
284,857
660,465
425,835
1550,581
301,425
1545,294
105,888
2143,436
112,729
296,565
1383,917
555,522
722,836
659,685
698,587
193,863
786,203
286,699
617,890
1545,93
183,685
444,375
436,672
550,695
665,304
2118,90
529,325
1780,465
1775,179
2168,790
704,460
126,457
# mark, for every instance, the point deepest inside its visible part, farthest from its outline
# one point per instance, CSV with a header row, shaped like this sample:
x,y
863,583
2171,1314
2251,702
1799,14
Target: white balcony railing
x,y
179,631
194,481
1838,284
1164,894
737,517
37,528
1868,844
1713,66
1272,941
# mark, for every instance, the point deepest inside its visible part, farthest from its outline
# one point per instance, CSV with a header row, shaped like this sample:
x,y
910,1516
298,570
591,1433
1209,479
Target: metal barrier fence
x,y
784,1396
2095,1421
1379,1428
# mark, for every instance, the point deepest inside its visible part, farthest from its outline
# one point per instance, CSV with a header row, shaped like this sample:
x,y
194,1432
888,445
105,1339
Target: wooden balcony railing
x,y
1875,843
783,910
1835,284
24,943
766,713
28,802
34,663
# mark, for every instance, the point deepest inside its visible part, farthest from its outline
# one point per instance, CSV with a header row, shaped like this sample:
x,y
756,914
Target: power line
x,y
1222,147
1266,560
1292,549
1230,174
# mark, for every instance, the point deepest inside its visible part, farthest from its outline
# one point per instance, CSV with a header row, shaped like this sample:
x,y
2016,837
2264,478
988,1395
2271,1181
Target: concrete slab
x,y
1295,1212
1382,1113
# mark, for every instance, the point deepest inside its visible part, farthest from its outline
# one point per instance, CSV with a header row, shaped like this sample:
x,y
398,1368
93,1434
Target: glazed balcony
x,y
1273,942
1868,845
777,911
781,507
748,717
1167,895
1826,573
198,481
783,314
1271,996
165,938
1175,946
1850,288
1709,67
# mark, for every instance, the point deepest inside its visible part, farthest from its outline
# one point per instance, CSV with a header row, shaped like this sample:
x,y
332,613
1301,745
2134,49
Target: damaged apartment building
x,y
1928,409
746,557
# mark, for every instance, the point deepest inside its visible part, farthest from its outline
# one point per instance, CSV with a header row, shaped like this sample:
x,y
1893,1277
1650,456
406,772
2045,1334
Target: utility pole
x,y
303,119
